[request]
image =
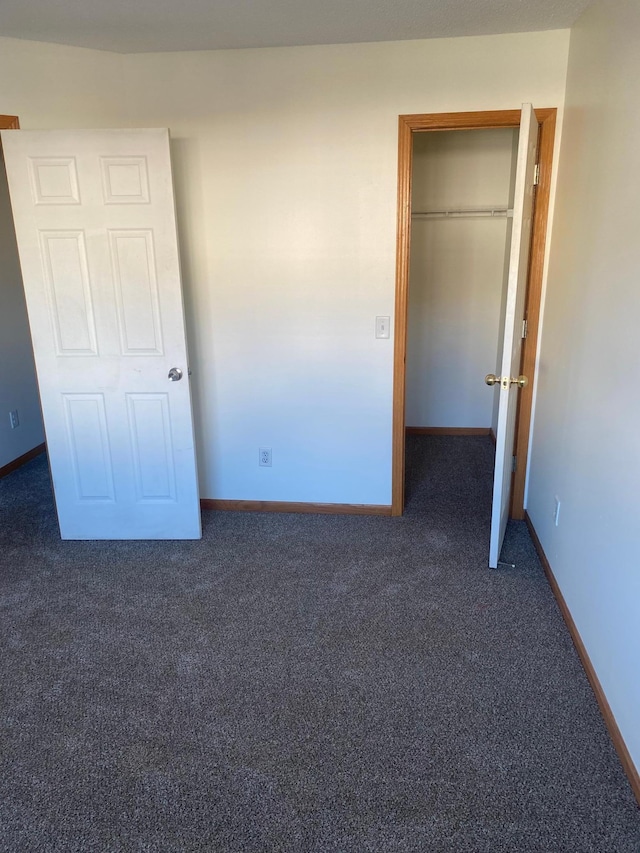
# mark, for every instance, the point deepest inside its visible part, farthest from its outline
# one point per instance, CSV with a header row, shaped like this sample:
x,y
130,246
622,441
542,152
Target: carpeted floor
x,y
298,683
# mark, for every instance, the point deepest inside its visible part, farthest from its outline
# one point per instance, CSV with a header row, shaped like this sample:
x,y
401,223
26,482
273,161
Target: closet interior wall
x,y
458,275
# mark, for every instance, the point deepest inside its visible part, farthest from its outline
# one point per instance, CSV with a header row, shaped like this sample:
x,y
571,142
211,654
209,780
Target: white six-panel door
x,y
512,340
95,222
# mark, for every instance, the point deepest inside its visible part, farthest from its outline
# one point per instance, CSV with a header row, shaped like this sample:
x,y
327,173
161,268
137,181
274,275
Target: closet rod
x,y
464,213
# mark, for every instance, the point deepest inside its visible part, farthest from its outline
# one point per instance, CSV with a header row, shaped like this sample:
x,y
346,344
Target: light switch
x,y
383,327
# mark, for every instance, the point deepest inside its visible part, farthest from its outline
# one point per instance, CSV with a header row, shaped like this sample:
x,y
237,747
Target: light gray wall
x,y
18,388
586,437
285,164
286,175
457,276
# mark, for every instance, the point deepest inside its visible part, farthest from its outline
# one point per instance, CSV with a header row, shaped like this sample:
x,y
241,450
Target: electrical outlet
x,y
556,511
13,419
264,457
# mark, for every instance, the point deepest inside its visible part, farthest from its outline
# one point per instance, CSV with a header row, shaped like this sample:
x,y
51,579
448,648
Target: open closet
x,y
473,198
462,200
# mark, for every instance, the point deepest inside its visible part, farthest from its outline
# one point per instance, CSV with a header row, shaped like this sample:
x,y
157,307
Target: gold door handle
x,y
491,379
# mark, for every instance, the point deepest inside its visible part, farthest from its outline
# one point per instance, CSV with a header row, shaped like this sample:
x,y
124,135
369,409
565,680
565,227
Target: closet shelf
x,y
464,213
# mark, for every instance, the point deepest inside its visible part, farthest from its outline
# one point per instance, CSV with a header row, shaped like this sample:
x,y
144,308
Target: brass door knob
x,y
505,381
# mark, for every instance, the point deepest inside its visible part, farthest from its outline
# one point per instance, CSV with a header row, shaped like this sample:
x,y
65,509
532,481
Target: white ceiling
x,y
140,26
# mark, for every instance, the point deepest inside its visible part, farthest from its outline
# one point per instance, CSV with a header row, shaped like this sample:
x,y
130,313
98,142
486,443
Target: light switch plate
x,y
383,327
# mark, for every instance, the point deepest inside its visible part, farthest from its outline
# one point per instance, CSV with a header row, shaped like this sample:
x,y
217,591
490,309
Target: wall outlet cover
x,y
264,457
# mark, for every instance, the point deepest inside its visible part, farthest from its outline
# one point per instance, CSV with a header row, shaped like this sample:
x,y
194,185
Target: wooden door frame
x,y
407,126
9,123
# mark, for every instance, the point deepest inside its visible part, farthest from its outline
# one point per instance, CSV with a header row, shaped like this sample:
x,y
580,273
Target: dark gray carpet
x,y
298,683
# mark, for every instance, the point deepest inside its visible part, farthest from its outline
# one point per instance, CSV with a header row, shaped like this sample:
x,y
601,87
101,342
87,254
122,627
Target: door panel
x,y
514,315
95,222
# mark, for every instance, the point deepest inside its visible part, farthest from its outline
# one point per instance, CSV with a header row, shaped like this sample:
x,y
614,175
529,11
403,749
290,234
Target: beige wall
x,y
586,447
49,85
285,165
457,276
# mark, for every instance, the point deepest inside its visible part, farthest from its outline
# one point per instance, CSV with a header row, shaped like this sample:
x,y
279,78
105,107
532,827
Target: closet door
x,y
510,382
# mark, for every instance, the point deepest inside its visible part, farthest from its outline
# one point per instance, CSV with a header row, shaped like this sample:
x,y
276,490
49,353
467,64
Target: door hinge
x,y
536,175
525,329
514,464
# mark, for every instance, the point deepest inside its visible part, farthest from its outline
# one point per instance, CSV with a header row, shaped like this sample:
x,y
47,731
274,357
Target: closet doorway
x,y
445,181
